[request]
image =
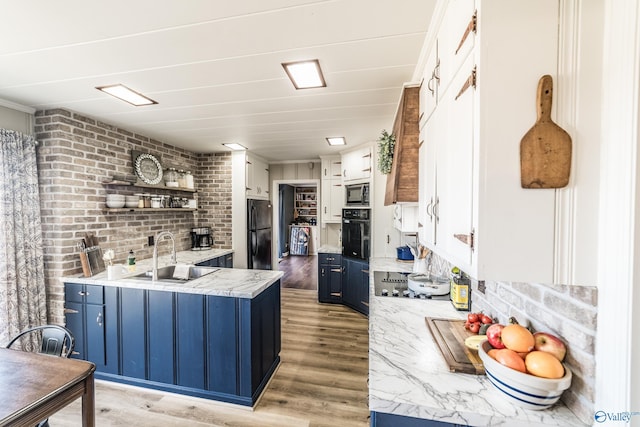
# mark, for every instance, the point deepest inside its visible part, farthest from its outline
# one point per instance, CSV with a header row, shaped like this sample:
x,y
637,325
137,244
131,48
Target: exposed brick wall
x,y
76,154
214,196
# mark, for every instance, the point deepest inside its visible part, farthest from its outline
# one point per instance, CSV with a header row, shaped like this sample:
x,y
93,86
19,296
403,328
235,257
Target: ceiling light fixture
x,y
235,146
336,140
122,92
305,74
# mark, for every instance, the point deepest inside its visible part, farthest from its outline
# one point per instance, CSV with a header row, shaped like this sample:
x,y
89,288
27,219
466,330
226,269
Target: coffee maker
x,y
201,238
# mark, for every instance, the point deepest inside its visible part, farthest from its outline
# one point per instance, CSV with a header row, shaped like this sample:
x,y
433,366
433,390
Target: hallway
x,y
300,272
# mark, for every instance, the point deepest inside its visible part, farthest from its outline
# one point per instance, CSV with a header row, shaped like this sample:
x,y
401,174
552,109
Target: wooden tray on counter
x,y
449,336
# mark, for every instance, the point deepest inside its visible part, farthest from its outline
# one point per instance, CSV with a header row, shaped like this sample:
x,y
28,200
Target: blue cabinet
x,y
84,308
355,284
329,278
381,419
225,261
216,347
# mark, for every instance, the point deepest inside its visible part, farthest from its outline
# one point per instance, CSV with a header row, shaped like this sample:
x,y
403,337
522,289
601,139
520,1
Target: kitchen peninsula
x,y
216,337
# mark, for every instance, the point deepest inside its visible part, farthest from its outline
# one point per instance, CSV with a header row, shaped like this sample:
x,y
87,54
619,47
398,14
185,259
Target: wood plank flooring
x,y
300,272
321,381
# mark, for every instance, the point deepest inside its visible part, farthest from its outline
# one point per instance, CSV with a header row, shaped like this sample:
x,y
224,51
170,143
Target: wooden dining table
x,y
34,386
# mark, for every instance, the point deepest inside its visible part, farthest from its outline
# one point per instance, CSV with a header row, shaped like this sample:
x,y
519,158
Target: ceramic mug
x,y
115,272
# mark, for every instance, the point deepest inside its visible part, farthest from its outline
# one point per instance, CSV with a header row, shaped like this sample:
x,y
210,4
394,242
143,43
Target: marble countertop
x,y
408,375
328,249
231,282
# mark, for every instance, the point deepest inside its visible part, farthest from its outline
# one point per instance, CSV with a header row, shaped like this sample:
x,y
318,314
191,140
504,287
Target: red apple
x,y
494,335
551,344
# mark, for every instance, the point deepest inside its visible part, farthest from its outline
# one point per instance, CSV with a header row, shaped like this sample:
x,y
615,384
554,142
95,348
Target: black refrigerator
x,y
259,234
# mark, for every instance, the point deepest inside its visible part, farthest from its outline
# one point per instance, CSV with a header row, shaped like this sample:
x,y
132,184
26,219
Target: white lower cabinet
x,y
472,209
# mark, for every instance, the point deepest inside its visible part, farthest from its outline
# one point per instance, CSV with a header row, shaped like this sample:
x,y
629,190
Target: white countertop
x,y
231,282
408,375
328,249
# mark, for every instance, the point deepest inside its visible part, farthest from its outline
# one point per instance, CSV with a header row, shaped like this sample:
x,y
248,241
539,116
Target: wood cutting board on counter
x,y
449,335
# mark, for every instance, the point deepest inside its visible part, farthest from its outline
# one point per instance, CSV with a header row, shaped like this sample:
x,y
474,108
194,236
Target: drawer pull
x,y
471,81
70,311
99,319
336,270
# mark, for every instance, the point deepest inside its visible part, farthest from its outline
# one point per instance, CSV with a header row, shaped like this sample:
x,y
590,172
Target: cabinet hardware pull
x,y
366,170
336,270
430,210
429,86
364,303
99,319
436,210
366,155
325,209
365,271
436,71
471,81
472,26
388,239
70,311
83,293
75,353
336,294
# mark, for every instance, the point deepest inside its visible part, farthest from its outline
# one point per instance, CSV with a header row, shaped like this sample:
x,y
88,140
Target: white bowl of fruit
x,y
526,368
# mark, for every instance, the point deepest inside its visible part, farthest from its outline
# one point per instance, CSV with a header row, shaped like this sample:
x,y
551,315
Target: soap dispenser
x,y
131,261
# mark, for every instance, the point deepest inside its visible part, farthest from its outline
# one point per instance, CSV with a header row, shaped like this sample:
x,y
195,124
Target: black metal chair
x,y
56,341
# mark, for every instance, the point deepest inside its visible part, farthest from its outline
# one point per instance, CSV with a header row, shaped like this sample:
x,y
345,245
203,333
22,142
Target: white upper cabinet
x,y
357,164
472,209
257,178
332,193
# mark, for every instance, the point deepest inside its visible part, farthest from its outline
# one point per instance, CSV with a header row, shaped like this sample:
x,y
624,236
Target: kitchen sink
x,y
165,274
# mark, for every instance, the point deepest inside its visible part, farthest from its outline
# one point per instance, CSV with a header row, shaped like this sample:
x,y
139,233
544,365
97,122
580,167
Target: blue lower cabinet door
x,y
190,340
222,347
132,333
95,334
75,314
161,336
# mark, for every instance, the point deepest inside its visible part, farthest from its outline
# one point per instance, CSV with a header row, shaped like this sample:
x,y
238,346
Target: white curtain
x,y
22,288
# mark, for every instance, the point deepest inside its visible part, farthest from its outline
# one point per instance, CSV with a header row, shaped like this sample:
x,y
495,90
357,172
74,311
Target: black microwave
x,y
357,194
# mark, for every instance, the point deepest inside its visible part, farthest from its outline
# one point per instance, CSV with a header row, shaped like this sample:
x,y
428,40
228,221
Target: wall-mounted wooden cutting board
x,y
449,336
545,150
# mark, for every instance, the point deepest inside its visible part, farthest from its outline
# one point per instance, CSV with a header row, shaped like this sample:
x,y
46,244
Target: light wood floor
x,y
300,272
321,381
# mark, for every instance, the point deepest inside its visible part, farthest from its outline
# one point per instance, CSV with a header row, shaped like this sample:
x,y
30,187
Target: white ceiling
x,y
214,67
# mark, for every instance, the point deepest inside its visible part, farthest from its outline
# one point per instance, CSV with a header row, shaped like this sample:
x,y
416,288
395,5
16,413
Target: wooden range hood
x,y
402,181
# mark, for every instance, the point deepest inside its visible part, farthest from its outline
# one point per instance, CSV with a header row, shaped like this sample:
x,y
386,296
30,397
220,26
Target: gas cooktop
x,y
395,284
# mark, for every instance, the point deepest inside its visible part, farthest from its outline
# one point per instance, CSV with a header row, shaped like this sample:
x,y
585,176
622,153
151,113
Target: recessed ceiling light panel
x,y
235,146
336,140
122,92
305,74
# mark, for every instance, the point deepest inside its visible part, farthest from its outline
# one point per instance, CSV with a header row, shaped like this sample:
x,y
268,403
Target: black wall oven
x,y
356,232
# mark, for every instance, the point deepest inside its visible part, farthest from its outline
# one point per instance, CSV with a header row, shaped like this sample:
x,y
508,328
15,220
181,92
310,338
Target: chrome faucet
x,y
155,252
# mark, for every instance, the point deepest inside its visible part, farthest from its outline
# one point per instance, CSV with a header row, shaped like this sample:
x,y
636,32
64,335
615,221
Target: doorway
x,y
300,271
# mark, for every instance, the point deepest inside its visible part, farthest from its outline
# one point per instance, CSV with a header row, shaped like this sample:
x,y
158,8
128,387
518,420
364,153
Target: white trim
x,y
616,345
565,89
18,107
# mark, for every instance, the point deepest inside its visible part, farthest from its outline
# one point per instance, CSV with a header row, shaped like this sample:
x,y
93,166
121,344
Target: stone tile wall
x,y
76,154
